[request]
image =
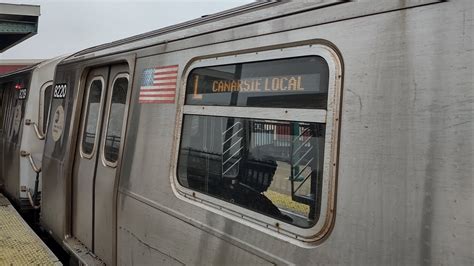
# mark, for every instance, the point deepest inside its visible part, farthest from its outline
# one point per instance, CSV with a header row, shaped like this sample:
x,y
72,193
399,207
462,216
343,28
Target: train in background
x,y
25,98
289,133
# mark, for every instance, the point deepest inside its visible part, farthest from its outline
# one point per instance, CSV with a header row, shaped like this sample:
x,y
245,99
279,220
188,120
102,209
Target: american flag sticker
x,y
159,85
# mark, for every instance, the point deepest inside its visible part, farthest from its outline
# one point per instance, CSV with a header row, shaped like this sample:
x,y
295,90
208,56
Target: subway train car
x,y
25,98
292,132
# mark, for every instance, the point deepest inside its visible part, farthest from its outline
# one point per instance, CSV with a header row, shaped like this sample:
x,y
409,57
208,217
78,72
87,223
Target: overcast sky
x,y
66,26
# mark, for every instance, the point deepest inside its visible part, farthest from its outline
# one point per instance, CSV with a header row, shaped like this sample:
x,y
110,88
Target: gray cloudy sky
x,y
70,25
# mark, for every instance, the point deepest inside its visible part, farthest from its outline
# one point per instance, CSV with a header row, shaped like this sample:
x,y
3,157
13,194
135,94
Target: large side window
x,y
272,167
92,116
254,135
116,121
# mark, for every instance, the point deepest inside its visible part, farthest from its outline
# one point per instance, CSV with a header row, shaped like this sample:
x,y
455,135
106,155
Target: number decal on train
x,y
60,91
22,94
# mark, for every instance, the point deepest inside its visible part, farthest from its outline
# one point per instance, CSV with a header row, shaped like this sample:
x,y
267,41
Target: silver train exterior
x,y
25,100
172,148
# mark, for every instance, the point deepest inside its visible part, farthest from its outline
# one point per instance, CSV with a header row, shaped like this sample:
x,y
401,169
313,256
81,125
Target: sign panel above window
x,y
300,82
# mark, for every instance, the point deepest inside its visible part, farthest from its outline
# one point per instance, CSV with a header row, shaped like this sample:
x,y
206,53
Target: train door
x,y
97,156
11,147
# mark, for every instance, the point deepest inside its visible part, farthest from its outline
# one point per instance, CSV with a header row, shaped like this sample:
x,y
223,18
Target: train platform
x,y
19,244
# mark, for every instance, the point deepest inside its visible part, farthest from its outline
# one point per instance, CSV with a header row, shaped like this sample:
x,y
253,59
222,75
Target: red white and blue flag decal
x,y
159,85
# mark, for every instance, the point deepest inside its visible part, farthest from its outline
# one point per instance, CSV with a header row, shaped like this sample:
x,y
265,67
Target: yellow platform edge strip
x,y
19,244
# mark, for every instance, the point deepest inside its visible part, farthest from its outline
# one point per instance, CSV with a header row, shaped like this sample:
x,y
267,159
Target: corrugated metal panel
x,y
13,27
17,23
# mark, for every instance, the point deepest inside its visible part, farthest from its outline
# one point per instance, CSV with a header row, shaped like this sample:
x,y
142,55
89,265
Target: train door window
x,y
259,135
2,93
47,97
18,111
90,131
6,105
7,109
116,119
3,105
10,109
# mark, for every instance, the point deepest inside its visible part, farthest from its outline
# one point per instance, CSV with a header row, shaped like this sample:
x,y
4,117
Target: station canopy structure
x,y
17,23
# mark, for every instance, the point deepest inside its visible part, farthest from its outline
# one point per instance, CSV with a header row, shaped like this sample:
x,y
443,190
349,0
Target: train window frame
x,y
330,117
104,160
41,115
84,119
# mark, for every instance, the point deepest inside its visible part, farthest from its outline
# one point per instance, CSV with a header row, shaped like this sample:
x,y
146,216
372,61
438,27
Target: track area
x,y
19,245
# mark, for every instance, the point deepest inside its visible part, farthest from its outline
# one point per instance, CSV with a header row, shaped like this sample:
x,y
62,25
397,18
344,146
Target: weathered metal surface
x,y
259,21
16,170
84,168
81,252
106,183
404,187
19,245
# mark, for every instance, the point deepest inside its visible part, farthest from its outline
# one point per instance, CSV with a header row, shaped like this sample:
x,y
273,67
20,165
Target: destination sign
x,y
293,83
288,83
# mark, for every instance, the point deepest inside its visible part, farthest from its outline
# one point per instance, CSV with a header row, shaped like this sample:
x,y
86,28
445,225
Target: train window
x,y
92,116
251,162
259,137
9,109
2,93
116,121
47,98
3,105
18,111
288,83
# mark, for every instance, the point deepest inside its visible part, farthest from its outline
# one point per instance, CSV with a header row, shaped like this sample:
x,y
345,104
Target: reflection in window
x,y
93,109
47,98
271,167
18,112
114,128
2,95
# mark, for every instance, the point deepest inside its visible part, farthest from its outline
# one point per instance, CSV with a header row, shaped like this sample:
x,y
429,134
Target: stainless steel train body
x,y
306,133
25,98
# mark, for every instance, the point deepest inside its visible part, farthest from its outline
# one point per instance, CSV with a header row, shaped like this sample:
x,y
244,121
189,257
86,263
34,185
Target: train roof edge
x,y
206,24
45,62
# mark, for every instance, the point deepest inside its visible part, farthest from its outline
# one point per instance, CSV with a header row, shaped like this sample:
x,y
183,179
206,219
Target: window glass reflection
x,y
93,110
271,167
115,124
47,98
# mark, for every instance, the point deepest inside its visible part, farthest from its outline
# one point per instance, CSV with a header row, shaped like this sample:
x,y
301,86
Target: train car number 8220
x,y
60,91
